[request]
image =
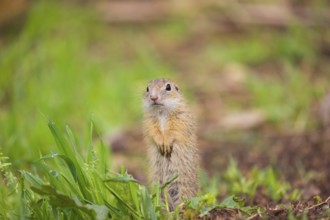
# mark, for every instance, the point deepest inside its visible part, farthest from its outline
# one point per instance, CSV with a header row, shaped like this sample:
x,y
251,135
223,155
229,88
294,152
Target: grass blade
x,y
147,205
169,182
68,155
112,208
133,212
121,179
31,178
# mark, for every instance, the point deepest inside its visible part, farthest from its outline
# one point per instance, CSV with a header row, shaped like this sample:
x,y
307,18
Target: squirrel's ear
x,y
176,87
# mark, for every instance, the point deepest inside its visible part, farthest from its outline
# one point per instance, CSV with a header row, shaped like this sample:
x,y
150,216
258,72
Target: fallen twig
x,y
319,204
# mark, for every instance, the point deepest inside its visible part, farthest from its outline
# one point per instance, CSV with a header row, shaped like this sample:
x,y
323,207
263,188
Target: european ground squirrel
x,y
169,129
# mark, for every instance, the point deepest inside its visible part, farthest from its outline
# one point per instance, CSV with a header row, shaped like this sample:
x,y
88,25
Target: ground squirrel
x,y
169,129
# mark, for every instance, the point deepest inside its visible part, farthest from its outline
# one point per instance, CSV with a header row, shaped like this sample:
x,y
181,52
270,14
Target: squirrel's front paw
x,y
164,145
166,150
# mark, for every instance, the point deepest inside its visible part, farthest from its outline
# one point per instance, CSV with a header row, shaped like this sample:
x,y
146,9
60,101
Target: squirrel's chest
x,y
162,123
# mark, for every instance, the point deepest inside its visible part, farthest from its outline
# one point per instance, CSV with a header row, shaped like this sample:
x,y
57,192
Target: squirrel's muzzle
x,y
154,98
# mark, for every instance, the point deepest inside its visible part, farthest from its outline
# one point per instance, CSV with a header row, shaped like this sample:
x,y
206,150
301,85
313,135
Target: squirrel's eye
x,y
168,87
147,89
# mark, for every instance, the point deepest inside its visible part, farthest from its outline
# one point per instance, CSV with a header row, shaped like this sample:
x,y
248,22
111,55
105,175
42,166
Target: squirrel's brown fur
x,y
170,133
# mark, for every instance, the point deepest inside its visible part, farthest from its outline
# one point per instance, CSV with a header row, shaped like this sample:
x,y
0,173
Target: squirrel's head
x,y
162,94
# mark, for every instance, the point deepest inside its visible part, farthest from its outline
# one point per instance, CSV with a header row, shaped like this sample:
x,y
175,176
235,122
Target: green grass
x,y
76,183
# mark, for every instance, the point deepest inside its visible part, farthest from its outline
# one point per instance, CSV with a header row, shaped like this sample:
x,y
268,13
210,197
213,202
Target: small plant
x,y
206,204
8,188
266,180
233,182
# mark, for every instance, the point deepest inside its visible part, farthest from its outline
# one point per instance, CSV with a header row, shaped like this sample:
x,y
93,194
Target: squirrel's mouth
x,y
157,104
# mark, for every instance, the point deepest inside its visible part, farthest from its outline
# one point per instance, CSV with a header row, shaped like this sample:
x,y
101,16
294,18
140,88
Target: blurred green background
x,y
249,70
73,62
65,64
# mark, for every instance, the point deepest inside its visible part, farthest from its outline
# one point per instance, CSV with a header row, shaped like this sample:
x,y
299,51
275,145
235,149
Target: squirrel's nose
x,y
154,98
